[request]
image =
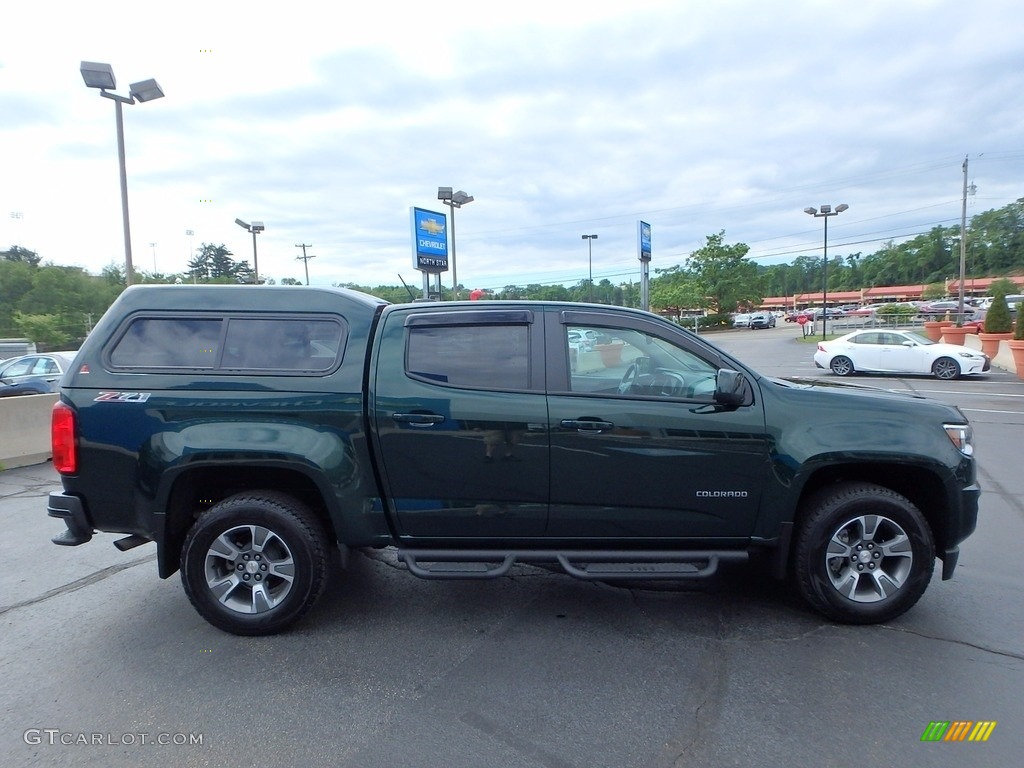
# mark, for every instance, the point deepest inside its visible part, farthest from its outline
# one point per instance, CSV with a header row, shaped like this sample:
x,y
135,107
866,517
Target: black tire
x,y
946,368
864,554
841,365
255,563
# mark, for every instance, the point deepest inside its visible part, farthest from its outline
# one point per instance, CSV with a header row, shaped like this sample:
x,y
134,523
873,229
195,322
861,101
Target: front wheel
x,y
946,368
255,563
864,554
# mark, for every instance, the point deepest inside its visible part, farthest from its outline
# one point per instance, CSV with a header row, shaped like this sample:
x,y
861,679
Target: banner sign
x,y
430,240
644,240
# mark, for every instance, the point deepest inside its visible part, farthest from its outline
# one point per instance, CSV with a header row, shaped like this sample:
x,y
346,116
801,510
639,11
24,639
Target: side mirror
x,y
729,387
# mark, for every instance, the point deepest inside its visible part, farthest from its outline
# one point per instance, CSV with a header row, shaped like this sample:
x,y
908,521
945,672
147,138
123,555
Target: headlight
x,y
962,436
968,354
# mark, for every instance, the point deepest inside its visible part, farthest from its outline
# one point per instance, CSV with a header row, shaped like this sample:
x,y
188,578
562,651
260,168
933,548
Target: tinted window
x,y
268,344
491,356
631,363
279,344
152,342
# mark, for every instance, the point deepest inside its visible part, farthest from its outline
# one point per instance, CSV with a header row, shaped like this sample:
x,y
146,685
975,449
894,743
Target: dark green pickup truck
x,y
251,431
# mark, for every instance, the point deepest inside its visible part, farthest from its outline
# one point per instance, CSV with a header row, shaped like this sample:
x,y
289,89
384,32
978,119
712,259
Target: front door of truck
x,y
639,448
460,423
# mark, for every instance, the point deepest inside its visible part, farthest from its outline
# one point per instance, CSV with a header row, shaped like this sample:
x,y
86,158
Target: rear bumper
x,y
71,510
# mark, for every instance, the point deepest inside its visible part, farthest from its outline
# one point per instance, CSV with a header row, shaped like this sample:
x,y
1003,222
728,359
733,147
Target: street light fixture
x,y
825,212
453,201
255,227
590,266
98,75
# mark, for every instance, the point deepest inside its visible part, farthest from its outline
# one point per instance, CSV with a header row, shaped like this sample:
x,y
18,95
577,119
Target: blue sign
x,y
430,240
644,238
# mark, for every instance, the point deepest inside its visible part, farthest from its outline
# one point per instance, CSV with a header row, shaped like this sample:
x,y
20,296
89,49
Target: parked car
x,y
741,320
27,387
888,351
938,308
761,320
579,342
49,366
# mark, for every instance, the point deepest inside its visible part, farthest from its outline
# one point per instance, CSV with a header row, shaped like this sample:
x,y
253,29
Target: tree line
x,y
56,306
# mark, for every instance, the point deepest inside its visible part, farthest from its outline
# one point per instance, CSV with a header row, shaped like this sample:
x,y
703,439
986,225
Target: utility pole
x,y
305,259
963,251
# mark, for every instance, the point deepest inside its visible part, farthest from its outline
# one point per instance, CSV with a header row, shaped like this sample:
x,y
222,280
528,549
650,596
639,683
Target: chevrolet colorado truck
x,y
252,431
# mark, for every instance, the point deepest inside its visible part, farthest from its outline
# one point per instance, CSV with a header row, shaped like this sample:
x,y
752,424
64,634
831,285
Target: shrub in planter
x,y
998,318
1018,331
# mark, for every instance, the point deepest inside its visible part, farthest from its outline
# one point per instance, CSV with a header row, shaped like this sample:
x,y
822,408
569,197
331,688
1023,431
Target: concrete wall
x,y
25,429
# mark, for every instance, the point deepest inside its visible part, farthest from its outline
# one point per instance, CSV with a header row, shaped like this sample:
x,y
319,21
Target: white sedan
x,y
874,351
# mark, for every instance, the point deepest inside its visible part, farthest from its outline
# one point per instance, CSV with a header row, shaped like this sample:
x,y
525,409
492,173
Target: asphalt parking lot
x,y
107,665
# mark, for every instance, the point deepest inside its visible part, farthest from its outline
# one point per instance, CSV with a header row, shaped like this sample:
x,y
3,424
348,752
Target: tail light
x,y
62,439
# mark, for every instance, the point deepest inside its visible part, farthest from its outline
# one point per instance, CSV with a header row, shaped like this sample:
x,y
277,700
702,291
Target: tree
x,y
17,253
215,263
675,288
44,330
724,275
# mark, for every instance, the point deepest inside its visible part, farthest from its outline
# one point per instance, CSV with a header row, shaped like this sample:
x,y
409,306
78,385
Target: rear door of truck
x,y
459,422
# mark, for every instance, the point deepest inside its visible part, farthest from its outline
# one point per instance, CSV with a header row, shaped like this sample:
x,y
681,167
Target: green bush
x,y
998,319
1018,331
897,310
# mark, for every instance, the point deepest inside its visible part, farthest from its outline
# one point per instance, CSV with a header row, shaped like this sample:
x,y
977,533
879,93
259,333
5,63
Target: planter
x,y
954,335
933,329
611,354
1017,350
990,342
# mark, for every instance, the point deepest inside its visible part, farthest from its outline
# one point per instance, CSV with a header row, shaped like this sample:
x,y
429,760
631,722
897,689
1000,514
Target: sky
x,y
329,122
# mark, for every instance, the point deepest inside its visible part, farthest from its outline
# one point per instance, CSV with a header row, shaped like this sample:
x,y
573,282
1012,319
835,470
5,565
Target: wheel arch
x,y
192,491
922,485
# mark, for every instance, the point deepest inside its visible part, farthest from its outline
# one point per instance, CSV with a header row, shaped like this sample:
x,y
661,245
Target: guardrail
x,y
25,429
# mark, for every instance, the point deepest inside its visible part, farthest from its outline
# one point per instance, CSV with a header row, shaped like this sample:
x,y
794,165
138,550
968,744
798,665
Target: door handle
x,y
587,425
417,419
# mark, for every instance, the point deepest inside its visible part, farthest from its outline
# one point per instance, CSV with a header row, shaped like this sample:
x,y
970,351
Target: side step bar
x,y
592,565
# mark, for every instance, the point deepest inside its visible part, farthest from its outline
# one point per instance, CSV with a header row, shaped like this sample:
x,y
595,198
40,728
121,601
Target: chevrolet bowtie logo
x,y
433,226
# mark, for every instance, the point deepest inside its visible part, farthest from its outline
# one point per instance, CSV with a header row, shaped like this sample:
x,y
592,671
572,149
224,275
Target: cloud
x,y
696,118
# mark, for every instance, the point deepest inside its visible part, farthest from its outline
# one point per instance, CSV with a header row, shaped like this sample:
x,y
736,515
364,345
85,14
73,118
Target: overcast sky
x,y
329,121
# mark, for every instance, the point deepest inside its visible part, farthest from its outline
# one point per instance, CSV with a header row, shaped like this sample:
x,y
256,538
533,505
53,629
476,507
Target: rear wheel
x,y
946,368
864,554
255,563
842,365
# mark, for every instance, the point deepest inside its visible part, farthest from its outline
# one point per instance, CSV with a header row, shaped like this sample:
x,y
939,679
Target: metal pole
x,y
129,272
590,270
455,277
824,287
255,262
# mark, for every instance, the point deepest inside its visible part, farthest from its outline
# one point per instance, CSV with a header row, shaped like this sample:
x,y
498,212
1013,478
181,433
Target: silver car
x,y
49,366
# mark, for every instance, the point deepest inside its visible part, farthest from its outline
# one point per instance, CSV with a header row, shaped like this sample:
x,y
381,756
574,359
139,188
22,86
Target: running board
x,y
597,565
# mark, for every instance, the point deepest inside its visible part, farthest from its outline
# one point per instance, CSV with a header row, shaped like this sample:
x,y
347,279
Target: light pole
x,y
97,75
256,226
825,212
453,201
590,266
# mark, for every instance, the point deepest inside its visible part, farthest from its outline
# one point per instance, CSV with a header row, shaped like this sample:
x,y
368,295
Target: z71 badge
x,y
122,397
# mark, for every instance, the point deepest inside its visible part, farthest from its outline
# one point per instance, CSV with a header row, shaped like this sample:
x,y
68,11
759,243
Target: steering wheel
x,y
668,383
629,378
